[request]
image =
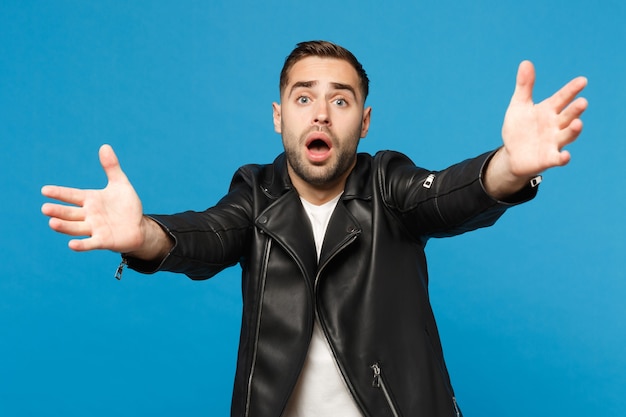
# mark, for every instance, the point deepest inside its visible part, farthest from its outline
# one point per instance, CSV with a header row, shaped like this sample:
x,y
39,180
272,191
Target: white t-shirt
x,y
320,390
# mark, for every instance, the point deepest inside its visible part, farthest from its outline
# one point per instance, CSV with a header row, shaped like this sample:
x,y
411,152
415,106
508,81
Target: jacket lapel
x,y
286,222
342,229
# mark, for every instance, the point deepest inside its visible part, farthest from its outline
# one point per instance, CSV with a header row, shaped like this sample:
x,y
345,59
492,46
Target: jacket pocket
x,y
379,382
439,363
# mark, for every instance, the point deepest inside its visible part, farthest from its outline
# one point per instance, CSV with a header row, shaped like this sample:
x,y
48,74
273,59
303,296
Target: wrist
x,y
154,242
501,181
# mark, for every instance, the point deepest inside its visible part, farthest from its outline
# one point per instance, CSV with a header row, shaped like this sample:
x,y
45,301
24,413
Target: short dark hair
x,y
323,49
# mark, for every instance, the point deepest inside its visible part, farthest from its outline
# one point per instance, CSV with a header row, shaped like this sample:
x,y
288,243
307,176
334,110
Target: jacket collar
x,y
289,230
358,184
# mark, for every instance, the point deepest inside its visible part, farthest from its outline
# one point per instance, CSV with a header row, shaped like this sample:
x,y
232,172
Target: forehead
x,y
323,70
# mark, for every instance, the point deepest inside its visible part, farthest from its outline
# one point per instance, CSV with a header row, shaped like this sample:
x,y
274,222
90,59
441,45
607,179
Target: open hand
x,y
534,134
110,218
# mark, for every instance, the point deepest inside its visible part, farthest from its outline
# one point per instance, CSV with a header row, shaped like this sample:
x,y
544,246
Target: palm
x,y
110,218
534,134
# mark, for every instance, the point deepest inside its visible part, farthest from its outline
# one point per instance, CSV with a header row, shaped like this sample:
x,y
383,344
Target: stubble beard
x,y
323,174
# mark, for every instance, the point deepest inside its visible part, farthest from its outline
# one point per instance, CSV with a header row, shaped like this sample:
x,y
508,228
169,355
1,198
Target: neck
x,y
317,194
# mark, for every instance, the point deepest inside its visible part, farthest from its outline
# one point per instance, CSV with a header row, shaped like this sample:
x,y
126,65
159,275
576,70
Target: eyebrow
x,y
309,84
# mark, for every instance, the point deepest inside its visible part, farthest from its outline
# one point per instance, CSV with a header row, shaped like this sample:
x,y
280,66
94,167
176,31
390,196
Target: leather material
x,y
369,290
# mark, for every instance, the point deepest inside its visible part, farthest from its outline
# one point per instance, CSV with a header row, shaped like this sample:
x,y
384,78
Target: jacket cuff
x,y
151,266
527,193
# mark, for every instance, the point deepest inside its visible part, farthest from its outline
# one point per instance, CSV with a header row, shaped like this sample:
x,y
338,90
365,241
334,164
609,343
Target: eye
x,y
303,100
341,102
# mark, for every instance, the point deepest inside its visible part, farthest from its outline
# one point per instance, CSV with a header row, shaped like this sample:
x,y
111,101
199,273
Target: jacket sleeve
x,y
442,203
206,242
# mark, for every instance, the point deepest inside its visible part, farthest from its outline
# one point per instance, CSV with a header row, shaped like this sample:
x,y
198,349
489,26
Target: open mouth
x,y
318,147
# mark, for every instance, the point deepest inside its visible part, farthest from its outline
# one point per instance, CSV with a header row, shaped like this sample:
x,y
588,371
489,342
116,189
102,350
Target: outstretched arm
x,y
111,218
534,134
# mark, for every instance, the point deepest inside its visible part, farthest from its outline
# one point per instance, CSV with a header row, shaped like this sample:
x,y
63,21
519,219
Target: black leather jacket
x,y
369,289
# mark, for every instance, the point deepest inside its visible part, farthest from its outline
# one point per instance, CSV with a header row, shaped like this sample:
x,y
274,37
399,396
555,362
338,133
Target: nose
x,y
321,115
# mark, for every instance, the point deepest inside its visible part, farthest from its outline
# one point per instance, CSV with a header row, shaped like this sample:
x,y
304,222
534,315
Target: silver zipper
x,y
345,243
456,407
258,324
457,411
120,269
429,181
379,382
353,235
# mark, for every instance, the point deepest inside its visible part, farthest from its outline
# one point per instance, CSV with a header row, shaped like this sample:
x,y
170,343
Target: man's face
x,y
321,118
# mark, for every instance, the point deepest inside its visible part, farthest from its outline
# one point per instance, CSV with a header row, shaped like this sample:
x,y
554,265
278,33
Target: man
x,y
336,316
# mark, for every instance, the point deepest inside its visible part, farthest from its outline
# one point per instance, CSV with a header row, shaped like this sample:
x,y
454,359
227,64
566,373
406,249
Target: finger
x,y
565,95
525,82
83,245
570,133
111,164
564,158
572,112
72,228
66,194
62,212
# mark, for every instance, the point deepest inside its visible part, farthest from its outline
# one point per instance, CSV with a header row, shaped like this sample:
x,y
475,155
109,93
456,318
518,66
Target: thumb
x,y
525,82
111,164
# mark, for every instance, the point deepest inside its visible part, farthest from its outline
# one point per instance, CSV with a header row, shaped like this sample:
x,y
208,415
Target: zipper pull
x,y
456,407
429,181
120,269
376,380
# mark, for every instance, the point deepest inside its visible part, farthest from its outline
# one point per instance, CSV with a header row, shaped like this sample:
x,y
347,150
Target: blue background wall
x,y
531,311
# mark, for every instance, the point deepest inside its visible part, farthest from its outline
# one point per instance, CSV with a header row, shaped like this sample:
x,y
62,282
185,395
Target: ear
x,y
277,117
365,124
